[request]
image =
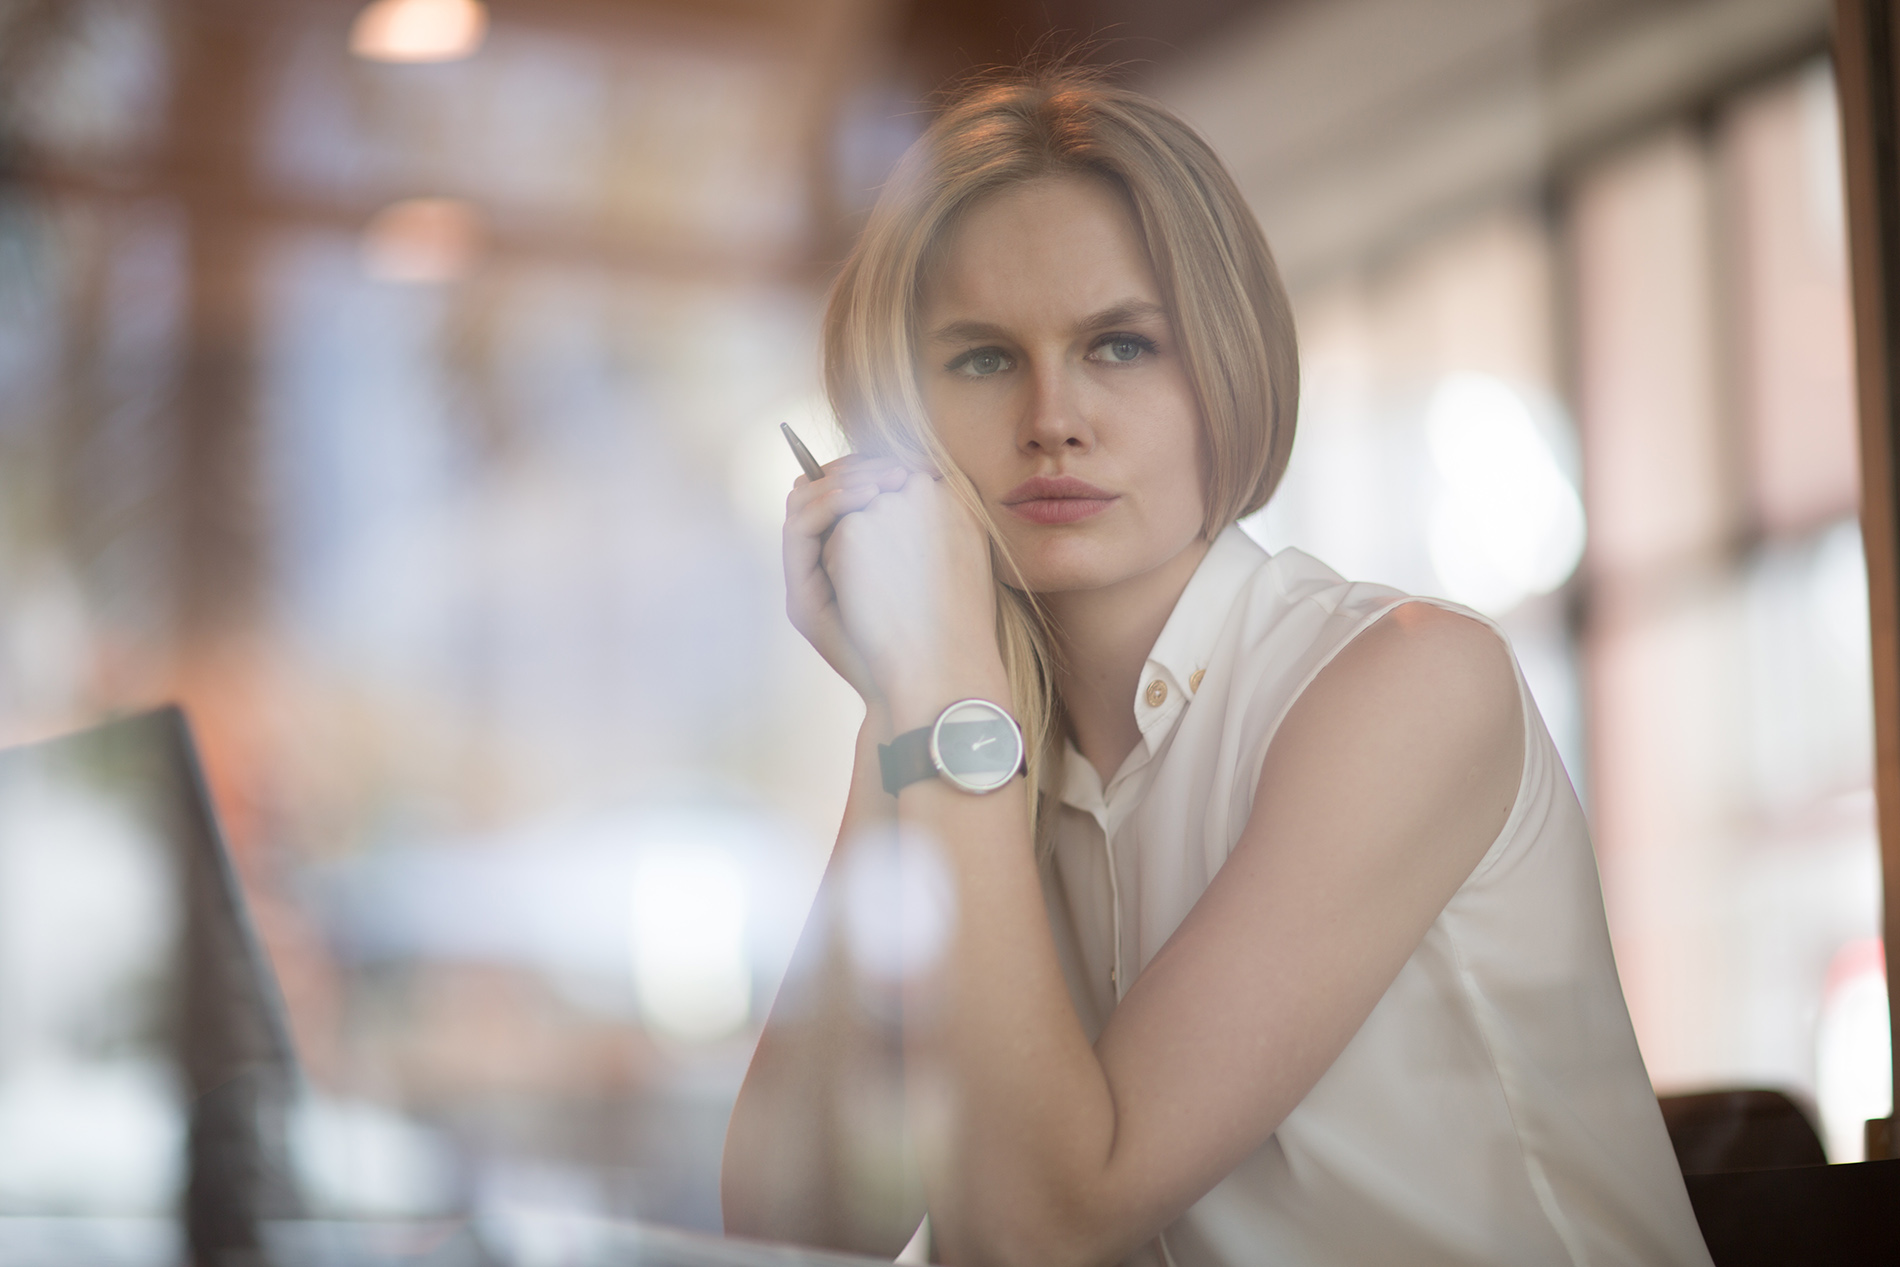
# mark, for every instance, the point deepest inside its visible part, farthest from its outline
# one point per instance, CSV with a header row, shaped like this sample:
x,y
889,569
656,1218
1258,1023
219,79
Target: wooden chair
x,y
1763,1194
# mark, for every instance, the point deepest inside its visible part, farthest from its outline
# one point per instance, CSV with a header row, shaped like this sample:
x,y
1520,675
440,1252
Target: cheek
x,y
952,430
1203,468
1191,481
1178,451
970,450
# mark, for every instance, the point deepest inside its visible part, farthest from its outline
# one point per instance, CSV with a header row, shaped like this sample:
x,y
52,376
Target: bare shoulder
x,y
1422,658
1419,715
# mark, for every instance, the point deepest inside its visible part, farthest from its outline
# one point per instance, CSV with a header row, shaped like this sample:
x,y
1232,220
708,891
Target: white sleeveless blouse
x,y
1494,1107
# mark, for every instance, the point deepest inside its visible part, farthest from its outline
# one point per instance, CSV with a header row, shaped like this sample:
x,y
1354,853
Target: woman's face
x,y
1053,377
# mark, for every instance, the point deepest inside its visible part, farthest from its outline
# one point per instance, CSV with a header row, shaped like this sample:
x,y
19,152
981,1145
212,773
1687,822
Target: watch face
x,y
976,746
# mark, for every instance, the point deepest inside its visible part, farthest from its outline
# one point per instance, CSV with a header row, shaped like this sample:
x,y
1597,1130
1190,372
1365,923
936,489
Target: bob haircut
x,y
1216,274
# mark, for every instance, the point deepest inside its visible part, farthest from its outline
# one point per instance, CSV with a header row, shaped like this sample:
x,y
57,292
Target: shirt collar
x,y
1081,785
1186,641
1173,670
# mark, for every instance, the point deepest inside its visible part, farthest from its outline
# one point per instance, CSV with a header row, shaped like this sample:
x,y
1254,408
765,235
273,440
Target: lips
x,y
1057,499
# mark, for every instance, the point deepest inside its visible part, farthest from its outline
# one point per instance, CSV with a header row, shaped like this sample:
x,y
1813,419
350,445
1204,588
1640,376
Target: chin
x,y
1098,555
1059,562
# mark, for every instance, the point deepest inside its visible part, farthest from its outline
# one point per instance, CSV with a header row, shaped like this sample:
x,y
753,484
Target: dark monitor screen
x,y
147,1076
144,1062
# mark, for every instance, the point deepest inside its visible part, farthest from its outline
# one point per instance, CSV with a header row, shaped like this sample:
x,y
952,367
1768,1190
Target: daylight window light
x,y
1508,523
1853,1070
690,964
418,30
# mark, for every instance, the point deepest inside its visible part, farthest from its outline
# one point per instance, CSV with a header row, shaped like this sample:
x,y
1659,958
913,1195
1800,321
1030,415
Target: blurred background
x,y
396,386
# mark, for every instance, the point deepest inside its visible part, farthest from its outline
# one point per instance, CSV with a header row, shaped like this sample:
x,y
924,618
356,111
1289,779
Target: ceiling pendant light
x,y
418,30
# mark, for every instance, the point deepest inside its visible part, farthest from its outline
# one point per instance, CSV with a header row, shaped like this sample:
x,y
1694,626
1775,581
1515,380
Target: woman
x,y
1287,946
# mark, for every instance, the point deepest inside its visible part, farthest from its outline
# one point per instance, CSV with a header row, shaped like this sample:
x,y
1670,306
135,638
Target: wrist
x,y
916,700
974,745
877,725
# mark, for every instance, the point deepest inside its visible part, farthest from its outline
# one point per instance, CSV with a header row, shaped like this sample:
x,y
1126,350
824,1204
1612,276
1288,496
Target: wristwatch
x,y
973,745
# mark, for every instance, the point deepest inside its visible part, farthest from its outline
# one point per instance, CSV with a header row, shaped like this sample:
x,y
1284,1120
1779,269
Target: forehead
x,y
1052,247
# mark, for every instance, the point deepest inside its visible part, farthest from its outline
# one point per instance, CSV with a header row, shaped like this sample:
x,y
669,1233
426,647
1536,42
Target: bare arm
x,y
817,1151
1385,785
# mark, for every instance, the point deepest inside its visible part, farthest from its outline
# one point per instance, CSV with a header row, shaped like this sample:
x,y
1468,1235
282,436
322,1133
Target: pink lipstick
x,y
1057,499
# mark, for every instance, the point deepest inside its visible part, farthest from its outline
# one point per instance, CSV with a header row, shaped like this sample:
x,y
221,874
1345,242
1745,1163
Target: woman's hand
x,y
910,572
812,511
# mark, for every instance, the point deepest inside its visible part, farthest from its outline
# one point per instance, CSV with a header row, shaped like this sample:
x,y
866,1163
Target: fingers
x,y
848,464
812,512
817,516
814,507
854,468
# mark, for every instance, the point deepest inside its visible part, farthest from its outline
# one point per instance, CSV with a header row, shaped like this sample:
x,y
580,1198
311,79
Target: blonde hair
x,y
1217,278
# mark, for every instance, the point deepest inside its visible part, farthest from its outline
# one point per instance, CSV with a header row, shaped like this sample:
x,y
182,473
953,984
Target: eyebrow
x,y
1123,313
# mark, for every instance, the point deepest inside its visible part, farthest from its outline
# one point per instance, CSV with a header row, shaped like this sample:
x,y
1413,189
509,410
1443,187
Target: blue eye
x,y
1119,349
981,362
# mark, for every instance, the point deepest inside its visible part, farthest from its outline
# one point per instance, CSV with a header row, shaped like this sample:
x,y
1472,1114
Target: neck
x,y
1105,636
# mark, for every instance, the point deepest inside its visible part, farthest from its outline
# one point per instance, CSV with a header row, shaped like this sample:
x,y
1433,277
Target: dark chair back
x,y
1840,1216
1763,1193
1740,1130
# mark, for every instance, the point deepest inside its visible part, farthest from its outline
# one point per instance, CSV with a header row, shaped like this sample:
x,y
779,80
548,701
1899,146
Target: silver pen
x,y
803,454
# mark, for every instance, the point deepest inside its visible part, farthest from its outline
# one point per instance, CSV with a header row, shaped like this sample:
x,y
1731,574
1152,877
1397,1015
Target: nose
x,y
1054,421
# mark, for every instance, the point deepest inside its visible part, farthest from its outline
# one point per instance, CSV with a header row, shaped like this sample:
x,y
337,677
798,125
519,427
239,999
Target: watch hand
x,y
979,743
